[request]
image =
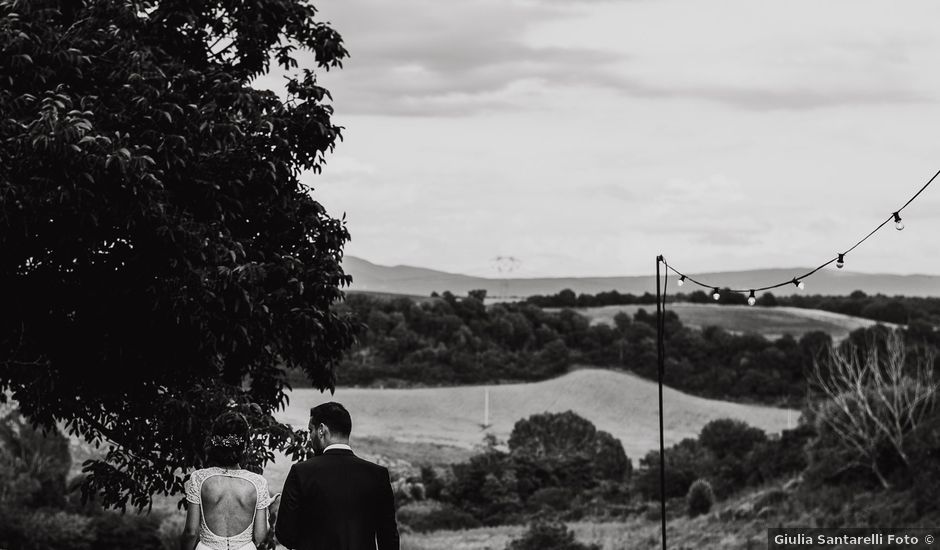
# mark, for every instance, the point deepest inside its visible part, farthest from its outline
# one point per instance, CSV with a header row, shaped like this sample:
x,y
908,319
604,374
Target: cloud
x,y
762,98
428,58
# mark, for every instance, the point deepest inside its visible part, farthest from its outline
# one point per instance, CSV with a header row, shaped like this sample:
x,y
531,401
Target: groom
x,y
336,500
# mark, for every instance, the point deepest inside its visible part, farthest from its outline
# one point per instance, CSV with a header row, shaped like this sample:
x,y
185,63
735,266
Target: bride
x,y
227,506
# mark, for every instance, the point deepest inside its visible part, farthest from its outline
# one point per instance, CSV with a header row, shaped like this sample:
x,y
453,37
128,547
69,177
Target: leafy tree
x,y
567,298
160,258
566,450
767,299
550,435
728,437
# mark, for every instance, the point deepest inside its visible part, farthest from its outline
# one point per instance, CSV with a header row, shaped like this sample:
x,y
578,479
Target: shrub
x,y
701,498
550,498
686,461
426,517
45,530
33,463
170,529
115,531
609,500
544,536
727,437
433,483
924,449
486,487
828,461
407,491
778,457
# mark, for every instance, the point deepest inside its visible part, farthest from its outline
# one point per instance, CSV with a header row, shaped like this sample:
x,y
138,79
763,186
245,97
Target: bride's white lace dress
x,y
209,540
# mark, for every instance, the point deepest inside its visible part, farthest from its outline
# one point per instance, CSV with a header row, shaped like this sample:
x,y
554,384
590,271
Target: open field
x,y
771,322
622,404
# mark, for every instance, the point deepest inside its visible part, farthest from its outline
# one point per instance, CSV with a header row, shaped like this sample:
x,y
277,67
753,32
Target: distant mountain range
x,y
419,281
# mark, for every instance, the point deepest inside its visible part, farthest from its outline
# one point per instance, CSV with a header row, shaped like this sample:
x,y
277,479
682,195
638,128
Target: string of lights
x,y
839,260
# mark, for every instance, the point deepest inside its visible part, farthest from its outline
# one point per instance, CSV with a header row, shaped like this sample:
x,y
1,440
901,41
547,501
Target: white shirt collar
x,y
338,446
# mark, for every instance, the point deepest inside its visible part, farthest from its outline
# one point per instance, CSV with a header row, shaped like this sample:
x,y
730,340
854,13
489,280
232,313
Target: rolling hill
x,y
770,322
622,404
401,279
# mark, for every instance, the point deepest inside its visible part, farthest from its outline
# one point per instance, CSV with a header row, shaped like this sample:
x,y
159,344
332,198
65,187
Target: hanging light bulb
x,y
681,280
799,284
715,294
751,300
840,263
897,222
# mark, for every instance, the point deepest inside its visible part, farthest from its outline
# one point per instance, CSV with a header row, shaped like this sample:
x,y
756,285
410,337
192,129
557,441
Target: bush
x,y
701,498
486,487
550,498
728,443
433,483
544,536
686,461
33,463
778,457
924,450
727,437
831,459
425,517
46,530
115,531
170,529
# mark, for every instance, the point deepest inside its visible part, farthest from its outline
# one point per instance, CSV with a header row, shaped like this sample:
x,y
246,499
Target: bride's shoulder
x,y
193,485
256,478
201,473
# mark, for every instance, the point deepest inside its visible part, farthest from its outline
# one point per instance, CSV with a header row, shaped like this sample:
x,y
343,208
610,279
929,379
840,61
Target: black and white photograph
x,y
469,274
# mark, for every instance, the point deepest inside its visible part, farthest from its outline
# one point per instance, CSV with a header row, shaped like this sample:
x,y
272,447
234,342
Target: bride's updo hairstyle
x,y
229,440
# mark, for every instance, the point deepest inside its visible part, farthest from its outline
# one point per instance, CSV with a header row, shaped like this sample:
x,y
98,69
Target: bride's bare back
x,y
228,509
228,504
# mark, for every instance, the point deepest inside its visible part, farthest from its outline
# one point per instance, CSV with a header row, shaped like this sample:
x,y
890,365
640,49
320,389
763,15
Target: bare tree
x,y
874,398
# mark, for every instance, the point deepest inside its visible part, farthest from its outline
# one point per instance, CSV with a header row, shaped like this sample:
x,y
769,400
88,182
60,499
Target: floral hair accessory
x,y
227,442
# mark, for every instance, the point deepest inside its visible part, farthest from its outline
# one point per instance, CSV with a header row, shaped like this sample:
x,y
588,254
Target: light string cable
x,y
839,260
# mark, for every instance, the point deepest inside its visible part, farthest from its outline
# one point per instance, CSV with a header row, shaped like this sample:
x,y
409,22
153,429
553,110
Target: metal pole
x,y
486,408
660,353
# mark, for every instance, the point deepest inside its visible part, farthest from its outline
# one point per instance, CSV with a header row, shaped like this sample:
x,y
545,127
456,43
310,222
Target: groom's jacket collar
x,y
338,448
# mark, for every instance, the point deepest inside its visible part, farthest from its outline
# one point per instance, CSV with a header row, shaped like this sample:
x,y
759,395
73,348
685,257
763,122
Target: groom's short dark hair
x,y
334,415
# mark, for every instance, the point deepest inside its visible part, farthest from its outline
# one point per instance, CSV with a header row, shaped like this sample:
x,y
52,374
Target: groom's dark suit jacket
x,y
337,501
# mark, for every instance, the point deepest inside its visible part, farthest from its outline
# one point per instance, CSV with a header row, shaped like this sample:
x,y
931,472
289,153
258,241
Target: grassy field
x,y
711,531
439,422
771,322
635,533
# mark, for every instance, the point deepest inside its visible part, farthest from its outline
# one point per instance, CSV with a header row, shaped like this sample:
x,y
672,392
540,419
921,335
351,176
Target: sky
x,y
584,137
